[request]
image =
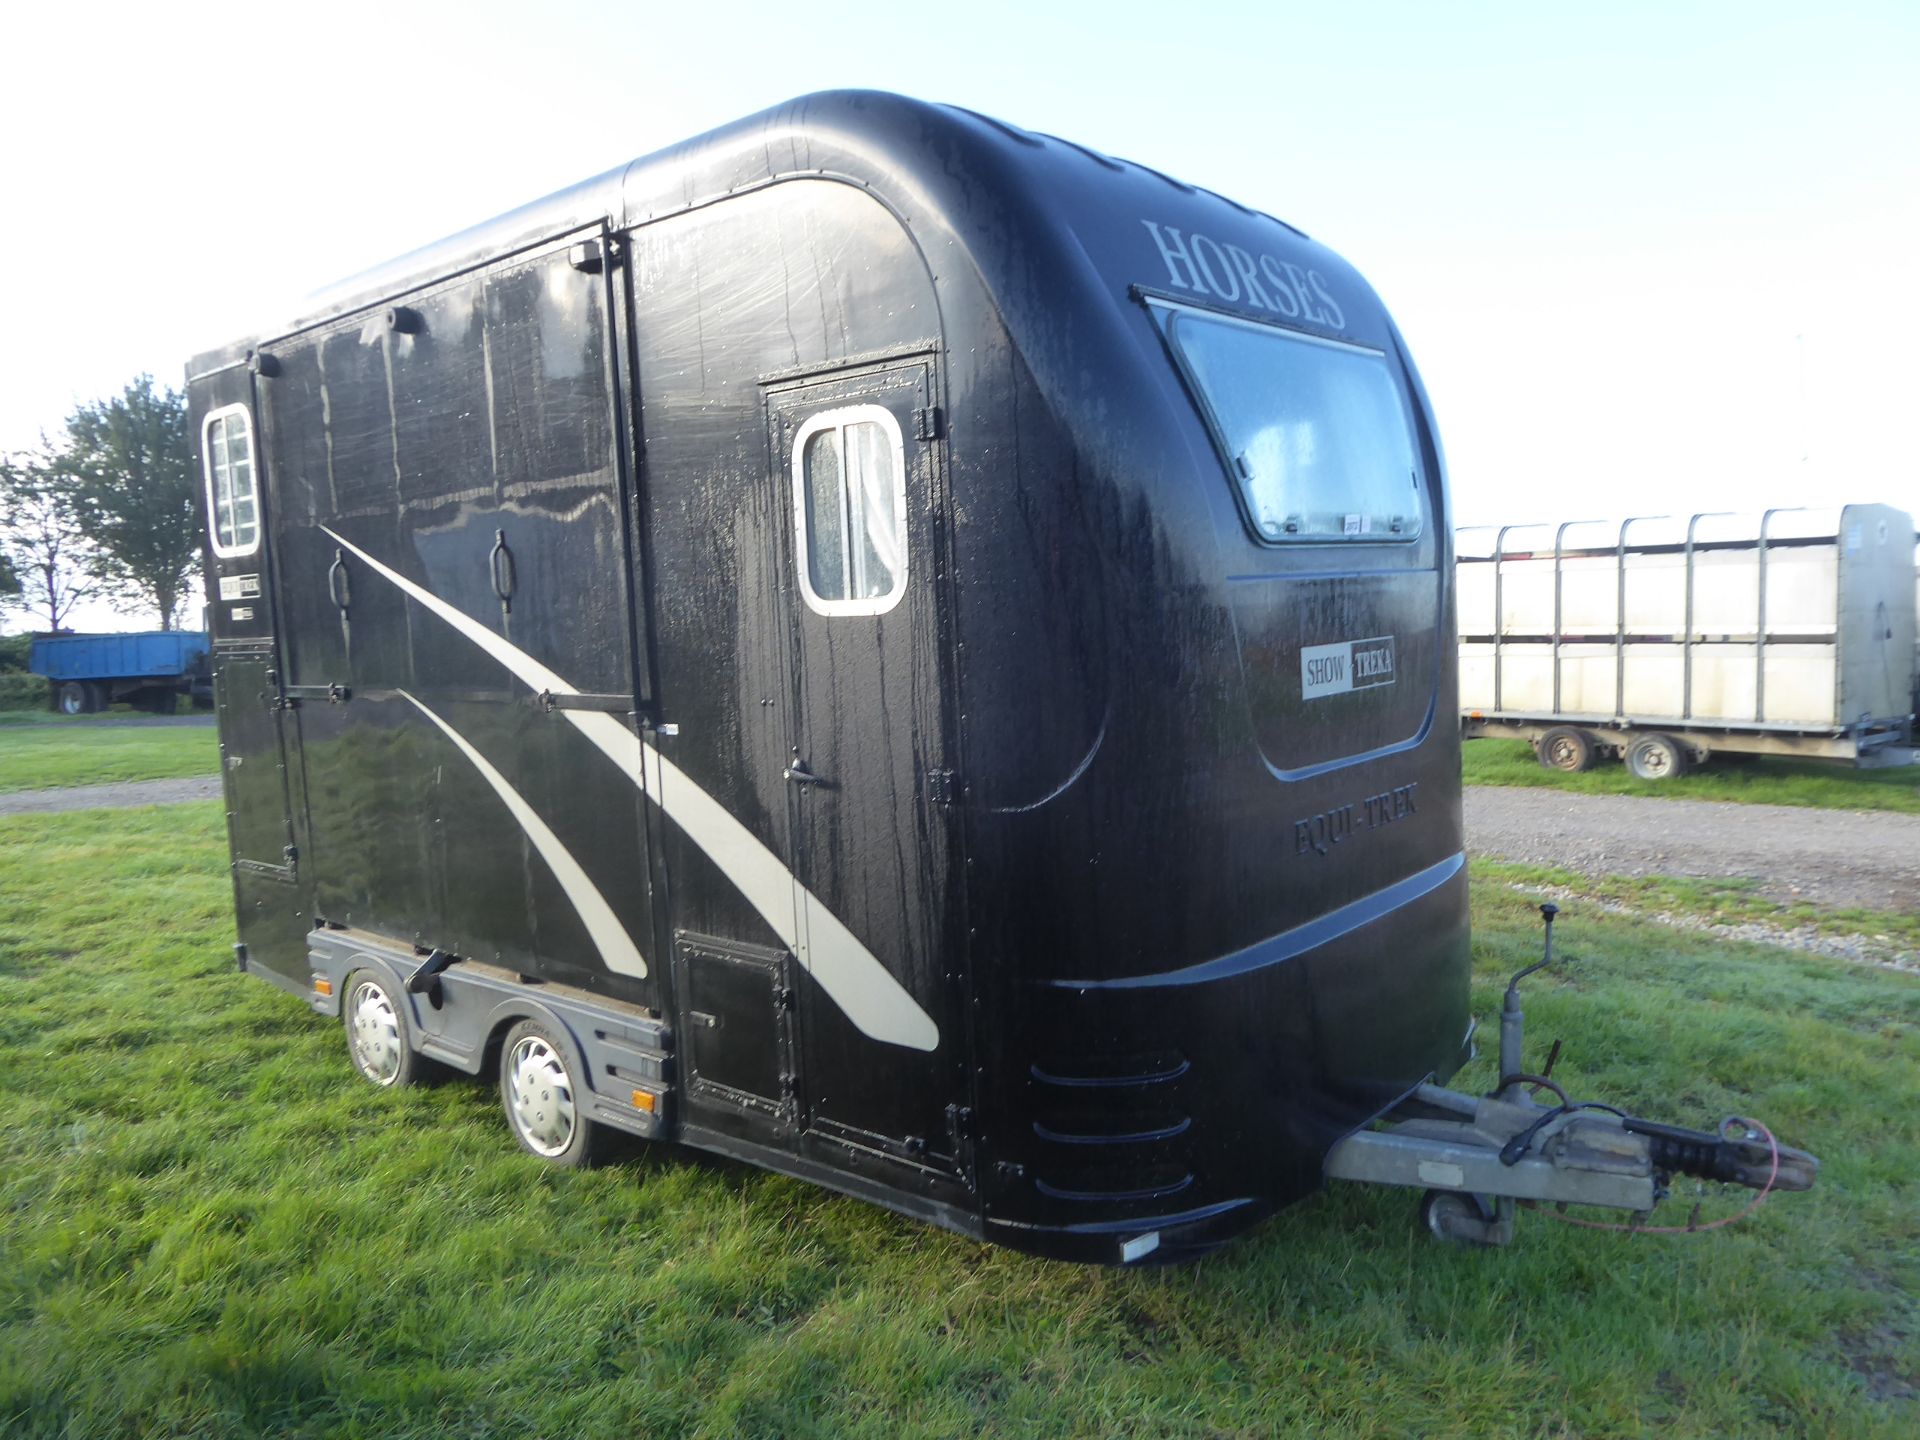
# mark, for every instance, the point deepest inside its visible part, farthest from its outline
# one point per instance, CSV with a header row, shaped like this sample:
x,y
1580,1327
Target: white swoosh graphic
x,y
610,937
851,974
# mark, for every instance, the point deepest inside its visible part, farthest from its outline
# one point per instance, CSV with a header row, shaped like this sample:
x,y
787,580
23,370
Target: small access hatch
x,y
736,1022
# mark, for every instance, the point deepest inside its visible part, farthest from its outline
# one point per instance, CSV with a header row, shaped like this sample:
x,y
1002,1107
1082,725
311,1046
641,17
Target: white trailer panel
x,y
1791,620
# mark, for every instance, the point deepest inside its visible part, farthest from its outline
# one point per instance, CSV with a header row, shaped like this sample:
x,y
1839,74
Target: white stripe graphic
x,y
851,974
610,937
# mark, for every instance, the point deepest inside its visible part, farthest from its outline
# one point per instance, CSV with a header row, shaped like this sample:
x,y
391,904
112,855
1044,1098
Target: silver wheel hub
x,y
375,1032
540,1095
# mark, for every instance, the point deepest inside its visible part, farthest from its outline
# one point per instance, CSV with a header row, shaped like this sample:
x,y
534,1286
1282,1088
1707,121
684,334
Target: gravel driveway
x,y
98,797
1830,857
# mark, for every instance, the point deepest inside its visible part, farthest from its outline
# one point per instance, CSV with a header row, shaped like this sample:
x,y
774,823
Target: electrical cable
x,y
1773,1173
1514,1149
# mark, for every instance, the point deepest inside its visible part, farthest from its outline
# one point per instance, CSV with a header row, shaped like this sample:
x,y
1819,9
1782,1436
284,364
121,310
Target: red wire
x,y
1752,1205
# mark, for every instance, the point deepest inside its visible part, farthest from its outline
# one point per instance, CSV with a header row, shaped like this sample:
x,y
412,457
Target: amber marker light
x,y
322,985
645,1100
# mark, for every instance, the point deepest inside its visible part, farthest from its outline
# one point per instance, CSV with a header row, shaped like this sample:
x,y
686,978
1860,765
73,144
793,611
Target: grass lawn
x,y
1754,779
36,757
213,1228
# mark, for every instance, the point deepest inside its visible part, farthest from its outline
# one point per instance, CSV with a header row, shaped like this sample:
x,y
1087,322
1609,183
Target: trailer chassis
x,y
1478,1158
1867,747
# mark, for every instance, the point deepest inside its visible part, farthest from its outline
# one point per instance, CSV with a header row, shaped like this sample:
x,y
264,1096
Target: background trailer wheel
x,y
1565,748
540,1090
75,697
1656,757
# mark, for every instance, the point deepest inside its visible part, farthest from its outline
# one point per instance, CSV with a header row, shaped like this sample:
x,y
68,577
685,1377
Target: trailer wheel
x,y
378,1037
1565,748
75,697
1656,757
544,1101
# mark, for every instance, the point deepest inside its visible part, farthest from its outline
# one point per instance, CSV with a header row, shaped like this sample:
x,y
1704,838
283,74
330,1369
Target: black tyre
x,y
1565,748
75,697
379,1039
1656,757
542,1090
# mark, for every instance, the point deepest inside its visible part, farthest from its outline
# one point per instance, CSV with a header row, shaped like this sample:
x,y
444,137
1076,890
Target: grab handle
x,y
339,586
500,568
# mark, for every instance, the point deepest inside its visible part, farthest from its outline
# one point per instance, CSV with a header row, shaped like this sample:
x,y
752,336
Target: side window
x,y
233,496
850,505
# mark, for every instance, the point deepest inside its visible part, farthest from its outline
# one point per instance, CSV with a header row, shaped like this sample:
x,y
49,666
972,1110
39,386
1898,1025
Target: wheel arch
x,y
510,1011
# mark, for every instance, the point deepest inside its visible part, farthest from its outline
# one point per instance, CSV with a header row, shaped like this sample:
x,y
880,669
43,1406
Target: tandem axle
x,y
1479,1157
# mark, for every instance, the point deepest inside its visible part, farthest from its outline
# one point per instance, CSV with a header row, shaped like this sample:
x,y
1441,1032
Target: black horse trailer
x,y
875,643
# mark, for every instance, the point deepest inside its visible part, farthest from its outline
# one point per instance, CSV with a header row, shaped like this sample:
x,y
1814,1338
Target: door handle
x,y
798,773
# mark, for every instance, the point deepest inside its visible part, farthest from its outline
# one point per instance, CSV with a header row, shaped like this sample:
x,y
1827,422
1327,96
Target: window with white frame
x,y
850,506
233,495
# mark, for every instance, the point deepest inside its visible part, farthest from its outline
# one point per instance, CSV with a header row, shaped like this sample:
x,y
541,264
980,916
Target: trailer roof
x,y
966,168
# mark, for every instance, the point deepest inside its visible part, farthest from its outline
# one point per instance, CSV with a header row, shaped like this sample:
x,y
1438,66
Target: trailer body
x,y
150,669
908,651
1787,633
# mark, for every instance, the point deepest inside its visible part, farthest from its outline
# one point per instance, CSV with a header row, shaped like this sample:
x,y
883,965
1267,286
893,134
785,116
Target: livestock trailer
x,y
1666,639
150,670
875,643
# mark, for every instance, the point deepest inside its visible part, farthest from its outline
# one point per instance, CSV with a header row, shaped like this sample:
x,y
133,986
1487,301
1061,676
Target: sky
x,y
1650,258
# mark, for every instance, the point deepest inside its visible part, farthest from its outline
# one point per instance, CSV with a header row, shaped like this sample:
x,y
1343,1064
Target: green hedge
x,y
22,692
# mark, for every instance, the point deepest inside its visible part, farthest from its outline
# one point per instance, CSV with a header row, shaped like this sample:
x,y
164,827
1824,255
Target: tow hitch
x,y
1479,1157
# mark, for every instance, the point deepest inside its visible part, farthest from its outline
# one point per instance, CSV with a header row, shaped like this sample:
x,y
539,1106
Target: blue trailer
x,y
150,670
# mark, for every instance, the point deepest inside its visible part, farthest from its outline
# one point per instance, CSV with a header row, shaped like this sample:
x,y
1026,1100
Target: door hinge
x,y
960,1138
943,787
928,423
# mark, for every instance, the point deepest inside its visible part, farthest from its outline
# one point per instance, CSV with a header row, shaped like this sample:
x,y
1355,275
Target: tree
x,y
131,469
39,533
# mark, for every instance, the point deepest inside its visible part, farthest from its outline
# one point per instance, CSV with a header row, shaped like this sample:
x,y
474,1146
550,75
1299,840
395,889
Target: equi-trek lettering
x,y
1320,833
1205,266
